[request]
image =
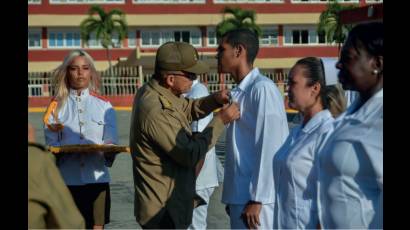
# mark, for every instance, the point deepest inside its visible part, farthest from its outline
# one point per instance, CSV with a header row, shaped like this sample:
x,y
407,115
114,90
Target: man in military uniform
x,y
50,204
164,151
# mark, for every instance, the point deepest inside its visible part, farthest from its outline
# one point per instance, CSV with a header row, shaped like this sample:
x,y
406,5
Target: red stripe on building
x,y
362,14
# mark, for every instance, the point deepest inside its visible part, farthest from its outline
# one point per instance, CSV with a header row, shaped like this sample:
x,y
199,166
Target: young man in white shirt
x,y
252,140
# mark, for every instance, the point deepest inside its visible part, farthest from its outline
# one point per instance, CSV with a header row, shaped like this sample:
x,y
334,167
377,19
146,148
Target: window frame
x,y
191,30
168,2
274,28
292,28
248,2
84,2
31,2
34,31
322,2
64,32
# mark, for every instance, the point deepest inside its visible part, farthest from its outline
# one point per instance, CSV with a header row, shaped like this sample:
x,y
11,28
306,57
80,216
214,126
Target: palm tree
x,y
241,19
331,25
104,25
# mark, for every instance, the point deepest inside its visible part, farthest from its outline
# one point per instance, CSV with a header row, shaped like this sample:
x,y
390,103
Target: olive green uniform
x,y
50,204
165,153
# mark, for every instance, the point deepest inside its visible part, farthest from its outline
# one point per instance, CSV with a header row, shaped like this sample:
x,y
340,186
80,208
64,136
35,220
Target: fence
x,y
126,81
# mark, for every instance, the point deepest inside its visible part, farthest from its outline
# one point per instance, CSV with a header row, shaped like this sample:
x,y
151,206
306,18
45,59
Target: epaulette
x,y
99,96
166,104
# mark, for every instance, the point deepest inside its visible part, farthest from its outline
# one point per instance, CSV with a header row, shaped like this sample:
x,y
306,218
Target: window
x,y
64,39
86,1
34,2
96,43
303,36
155,38
132,42
374,1
322,37
248,1
269,37
322,1
211,37
34,39
168,1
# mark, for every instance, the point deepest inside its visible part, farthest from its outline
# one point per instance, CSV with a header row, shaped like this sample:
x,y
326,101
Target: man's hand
x,y
250,214
229,113
222,97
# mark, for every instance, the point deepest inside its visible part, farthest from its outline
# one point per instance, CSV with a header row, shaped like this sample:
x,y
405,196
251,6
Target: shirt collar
x,y
368,108
174,100
84,93
248,79
316,120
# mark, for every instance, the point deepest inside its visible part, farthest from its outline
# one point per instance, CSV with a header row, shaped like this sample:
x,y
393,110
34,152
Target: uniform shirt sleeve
x,y
167,133
270,133
50,204
200,108
110,135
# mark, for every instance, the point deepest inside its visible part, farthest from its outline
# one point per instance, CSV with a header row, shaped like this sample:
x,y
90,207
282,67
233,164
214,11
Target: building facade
x,y
289,30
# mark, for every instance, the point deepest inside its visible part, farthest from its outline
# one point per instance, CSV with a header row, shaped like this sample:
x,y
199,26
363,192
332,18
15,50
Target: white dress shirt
x,y
87,119
351,168
252,141
208,175
295,175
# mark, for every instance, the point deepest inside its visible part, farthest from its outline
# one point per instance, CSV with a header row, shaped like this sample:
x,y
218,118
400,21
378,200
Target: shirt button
x,y
80,110
81,123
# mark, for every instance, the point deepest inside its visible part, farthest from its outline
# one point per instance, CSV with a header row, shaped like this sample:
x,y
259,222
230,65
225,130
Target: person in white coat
x,y
78,115
314,92
351,157
252,140
206,169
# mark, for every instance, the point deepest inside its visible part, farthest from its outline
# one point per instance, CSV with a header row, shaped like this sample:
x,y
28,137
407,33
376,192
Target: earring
x,y
375,71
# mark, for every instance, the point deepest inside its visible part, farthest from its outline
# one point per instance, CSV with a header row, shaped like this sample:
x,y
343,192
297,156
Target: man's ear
x,y
239,50
169,80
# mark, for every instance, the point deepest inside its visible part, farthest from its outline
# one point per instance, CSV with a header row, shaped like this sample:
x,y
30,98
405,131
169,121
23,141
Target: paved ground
x,y
122,192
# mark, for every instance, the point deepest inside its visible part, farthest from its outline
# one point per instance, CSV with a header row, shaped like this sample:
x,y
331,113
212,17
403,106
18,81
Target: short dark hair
x,y
245,37
368,36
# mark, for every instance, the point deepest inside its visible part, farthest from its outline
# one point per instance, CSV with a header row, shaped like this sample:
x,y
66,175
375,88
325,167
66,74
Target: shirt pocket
x,y
97,127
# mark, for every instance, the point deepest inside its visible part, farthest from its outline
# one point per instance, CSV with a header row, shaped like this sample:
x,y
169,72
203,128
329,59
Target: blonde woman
x,y
78,115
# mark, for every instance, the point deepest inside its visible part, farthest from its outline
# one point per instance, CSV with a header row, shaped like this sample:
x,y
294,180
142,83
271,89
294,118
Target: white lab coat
x,y
87,119
208,176
295,175
252,141
351,168
207,179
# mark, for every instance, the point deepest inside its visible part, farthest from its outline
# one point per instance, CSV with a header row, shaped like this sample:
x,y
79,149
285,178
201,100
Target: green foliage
x,y
241,19
331,25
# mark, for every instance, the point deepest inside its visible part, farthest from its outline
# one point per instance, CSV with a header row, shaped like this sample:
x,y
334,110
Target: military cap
x,y
179,56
